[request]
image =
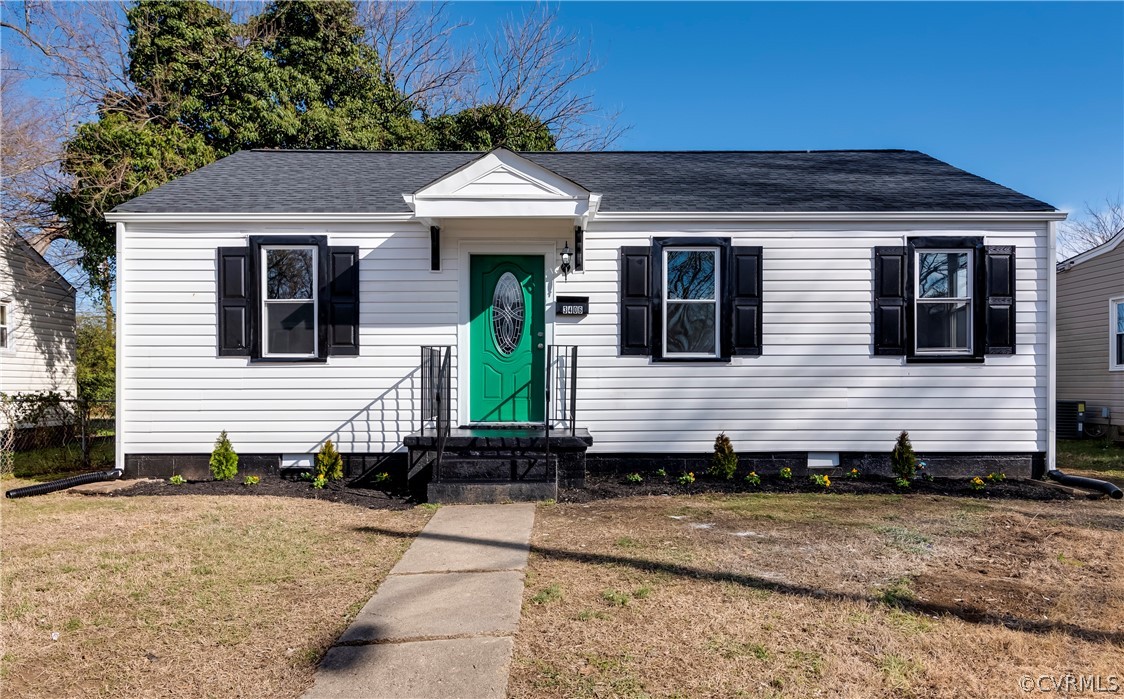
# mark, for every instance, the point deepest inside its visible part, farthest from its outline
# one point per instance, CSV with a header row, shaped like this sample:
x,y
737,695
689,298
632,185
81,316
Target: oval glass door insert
x,y
507,313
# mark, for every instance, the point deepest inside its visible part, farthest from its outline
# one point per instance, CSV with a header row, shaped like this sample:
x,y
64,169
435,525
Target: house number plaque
x,y
572,305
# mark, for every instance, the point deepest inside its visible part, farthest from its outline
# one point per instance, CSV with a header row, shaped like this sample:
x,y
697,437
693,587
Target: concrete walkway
x,y
441,624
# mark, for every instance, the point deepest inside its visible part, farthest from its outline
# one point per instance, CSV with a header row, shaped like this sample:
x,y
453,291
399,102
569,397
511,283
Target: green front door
x,y
506,353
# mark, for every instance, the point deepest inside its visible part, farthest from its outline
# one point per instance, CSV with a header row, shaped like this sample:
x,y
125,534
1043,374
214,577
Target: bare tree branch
x,y
1091,227
537,68
415,42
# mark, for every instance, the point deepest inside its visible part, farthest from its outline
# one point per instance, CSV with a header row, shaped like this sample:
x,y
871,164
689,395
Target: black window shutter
x,y
1000,299
636,300
235,290
343,301
891,300
744,288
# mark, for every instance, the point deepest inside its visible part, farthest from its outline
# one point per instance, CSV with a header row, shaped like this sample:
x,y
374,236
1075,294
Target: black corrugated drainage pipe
x,y
63,484
1086,483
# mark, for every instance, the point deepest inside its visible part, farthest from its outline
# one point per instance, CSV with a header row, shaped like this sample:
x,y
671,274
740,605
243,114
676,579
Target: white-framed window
x,y
942,287
289,288
690,302
1116,333
5,326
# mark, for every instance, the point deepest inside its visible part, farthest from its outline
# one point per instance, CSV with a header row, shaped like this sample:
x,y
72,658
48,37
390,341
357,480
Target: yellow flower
x,y
826,482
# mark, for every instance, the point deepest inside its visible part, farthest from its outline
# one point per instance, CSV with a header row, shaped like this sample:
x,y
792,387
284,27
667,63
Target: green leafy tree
x,y
96,359
224,460
296,76
490,126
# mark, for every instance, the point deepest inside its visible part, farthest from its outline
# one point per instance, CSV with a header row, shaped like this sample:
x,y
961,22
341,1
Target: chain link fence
x,y
43,434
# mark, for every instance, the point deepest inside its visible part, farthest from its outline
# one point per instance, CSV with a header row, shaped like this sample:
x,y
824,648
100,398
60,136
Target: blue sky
x,y
1028,94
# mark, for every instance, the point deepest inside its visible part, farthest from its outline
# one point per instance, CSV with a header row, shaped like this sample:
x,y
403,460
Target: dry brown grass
x,y
185,596
805,595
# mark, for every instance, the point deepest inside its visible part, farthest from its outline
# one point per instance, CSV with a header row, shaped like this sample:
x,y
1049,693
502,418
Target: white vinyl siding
x,y
816,386
40,323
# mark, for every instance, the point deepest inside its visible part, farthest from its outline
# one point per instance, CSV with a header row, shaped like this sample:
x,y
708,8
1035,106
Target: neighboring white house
x,y
811,304
1091,331
37,341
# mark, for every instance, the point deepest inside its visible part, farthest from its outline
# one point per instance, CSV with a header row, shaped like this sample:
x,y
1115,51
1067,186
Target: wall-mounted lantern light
x,y
565,266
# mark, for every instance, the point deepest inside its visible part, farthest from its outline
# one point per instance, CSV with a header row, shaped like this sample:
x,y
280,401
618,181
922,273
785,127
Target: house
x,y
1091,333
811,304
37,331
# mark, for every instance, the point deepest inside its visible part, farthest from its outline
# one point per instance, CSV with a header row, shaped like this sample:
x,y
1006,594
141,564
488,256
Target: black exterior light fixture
x,y
565,266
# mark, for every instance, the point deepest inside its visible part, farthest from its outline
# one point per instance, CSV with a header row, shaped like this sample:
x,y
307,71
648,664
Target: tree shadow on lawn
x,y
970,615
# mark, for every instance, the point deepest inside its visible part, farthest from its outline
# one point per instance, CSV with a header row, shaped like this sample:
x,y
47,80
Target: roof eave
x,y
391,217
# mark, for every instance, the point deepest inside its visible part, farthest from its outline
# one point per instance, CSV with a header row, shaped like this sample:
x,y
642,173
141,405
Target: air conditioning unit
x,y
1070,419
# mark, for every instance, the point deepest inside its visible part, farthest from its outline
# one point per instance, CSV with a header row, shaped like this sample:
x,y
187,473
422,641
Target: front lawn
x,y
814,595
185,596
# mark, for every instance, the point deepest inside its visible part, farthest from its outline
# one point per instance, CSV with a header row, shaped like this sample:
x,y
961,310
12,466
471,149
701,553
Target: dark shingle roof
x,y
273,181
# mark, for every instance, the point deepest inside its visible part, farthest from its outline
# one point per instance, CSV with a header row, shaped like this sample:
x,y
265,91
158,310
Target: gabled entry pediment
x,y
501,184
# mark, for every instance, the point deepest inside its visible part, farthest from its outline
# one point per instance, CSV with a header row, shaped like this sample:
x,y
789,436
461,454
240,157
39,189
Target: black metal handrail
x,y
436,396
561,387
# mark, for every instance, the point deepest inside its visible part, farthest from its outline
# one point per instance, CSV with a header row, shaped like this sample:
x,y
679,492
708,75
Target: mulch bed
x,y
604,487
277,487
607,487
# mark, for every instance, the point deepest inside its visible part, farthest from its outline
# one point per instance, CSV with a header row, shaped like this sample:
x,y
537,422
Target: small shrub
x,y
822,481
786,473
724,461
902,458
853,474
306,476
224,461
977,484
901,482
995,477
251,480
329,463
177,479
661,473
687,478
381,477
753,479
319,482
634,478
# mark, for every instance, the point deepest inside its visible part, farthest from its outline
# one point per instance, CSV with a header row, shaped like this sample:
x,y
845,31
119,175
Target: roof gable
x,y
501,183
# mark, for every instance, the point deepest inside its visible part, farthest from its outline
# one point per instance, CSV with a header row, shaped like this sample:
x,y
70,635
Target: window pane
x,y
290,328
942,326
3,337
690,328
1120,317
4,315
942,275
690,274
288,274
1120,348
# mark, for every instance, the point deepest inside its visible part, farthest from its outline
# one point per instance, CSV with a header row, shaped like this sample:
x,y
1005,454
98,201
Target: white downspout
x,y
119,385
1051,346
